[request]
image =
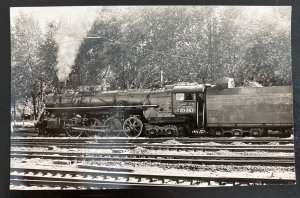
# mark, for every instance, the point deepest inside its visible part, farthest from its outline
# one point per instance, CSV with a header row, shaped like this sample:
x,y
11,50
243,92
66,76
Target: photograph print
x,y
119,97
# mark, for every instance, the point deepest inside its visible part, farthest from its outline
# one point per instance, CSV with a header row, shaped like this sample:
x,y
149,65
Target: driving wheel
x,y
114,126
134,126
73,133
94,123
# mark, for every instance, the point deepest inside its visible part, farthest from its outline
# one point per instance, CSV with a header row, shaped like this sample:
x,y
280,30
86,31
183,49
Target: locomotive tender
x,y
176,110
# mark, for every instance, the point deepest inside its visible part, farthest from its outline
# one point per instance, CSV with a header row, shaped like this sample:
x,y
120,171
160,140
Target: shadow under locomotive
x,y
176,110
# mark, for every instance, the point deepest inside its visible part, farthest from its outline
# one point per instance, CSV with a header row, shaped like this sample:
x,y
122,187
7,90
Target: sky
x,y
47,14
64,13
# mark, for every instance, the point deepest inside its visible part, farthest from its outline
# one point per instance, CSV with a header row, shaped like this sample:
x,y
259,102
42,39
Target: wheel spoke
x,y
73,133
113,124
135,129
134,125
94,122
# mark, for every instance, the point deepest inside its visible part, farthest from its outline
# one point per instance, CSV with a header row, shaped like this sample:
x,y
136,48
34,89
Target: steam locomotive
x,y
181,109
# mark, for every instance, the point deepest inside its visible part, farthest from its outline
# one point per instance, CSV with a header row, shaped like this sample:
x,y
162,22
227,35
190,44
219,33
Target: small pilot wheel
x,y
114,126
94,123
134,126
73,133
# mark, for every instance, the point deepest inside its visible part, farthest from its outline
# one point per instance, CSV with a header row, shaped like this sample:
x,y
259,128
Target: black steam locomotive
x,y
182,109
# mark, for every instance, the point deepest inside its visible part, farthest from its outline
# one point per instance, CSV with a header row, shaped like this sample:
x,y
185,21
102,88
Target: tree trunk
x,y
41,94
15,115
38,104
123,76
34,105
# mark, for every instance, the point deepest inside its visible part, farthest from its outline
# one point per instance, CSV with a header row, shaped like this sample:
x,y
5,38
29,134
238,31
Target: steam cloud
x,y
72,31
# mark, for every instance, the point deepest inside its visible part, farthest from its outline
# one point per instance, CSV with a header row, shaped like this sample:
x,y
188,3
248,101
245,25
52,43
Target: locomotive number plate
x,y
184,109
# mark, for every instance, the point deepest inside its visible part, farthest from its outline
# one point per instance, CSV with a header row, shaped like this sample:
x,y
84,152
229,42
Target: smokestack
x,y
61,87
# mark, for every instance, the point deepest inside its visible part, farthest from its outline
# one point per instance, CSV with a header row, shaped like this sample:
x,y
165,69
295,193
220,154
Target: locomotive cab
x,y
188,101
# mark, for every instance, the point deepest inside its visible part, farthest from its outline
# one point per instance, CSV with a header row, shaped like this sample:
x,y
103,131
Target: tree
x,y
25,39
196,43
47,51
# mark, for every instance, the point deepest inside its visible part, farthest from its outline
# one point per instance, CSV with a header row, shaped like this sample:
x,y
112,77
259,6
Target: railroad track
x,y
111,145
177,159
176,147
157,140
115,180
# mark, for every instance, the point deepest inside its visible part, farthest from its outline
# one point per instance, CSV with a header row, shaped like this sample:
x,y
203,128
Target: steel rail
x,y
154,144
139,155
156,140
164,160
157,147
84,183
114,179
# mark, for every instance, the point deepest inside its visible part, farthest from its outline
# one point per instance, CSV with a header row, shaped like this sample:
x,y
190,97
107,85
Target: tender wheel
x,y
113,126
256,132
73,133
219,133
94,123
237,132
134,125
286,133
216,132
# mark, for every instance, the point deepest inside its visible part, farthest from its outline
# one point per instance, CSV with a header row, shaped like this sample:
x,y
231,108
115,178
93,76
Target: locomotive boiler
x,y
176,110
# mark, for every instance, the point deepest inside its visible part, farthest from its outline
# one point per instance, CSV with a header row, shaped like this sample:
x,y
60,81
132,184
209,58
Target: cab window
x,y
184,96
179,96
188,96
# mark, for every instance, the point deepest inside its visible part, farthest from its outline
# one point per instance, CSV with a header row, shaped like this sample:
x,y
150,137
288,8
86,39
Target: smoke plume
x,y
72,31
